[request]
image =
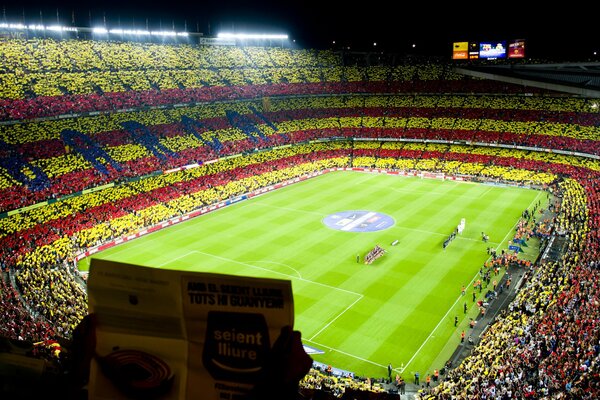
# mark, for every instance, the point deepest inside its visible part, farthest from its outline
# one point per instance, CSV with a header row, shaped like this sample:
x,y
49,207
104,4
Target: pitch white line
x,y
277,272
437,326
336,317
360,296
358,221
420,230
438,193
278,263
440,234
460,297
477,240
288,209
486,192
176,258
370,176
299,278
344,353
120,248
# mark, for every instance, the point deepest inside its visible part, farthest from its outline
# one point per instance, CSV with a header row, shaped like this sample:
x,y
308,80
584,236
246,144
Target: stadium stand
x,y
101,140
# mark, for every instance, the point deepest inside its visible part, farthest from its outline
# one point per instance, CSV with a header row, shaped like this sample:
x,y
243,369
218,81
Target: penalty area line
x,y
344,353
360,295
277,272
336,317
278,263
176,258
248,265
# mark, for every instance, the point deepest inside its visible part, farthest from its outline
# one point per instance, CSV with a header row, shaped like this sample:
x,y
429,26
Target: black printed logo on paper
x,y
236,345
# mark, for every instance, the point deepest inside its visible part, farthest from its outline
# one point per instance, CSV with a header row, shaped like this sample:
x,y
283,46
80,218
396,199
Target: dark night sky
x,y
569,31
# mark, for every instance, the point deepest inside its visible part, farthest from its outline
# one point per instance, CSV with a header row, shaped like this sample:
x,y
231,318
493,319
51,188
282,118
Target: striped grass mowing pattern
x,y
398,310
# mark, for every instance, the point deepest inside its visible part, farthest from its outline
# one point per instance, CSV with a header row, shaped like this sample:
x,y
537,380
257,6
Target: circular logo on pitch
x,y
358,221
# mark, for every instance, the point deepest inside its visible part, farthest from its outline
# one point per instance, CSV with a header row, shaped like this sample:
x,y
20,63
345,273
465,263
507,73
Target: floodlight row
x,y
259,36
138,32
97,30
104,31
38,27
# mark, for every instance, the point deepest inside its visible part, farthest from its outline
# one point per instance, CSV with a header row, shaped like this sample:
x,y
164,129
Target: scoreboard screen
x,y
473,50
460,50
492,50
465,50
489,50
516,48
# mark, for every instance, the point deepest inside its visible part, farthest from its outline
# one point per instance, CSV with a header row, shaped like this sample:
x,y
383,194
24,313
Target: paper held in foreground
x,y
165,334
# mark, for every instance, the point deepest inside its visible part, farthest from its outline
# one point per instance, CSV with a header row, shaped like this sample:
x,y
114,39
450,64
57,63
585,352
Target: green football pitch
x,y
398,310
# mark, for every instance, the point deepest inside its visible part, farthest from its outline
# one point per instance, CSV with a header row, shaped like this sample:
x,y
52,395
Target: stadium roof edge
x,y
580,79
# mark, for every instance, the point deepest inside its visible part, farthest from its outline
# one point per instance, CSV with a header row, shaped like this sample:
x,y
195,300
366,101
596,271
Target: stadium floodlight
x,y
163,33
60,28
12,26
129,32
100,30
250,36
38,27
137,32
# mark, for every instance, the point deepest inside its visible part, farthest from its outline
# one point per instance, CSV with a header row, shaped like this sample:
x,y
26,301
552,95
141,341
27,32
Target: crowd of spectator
x,y
35,239
17,322
103,215
70,170
545,344
36,243
46,77
337,386
54,296
35,228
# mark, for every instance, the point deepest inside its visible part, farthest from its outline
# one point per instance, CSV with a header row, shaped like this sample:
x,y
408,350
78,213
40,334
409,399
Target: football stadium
x,y
438,219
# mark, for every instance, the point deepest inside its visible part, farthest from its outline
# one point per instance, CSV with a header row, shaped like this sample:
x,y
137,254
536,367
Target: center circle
x,y
358,221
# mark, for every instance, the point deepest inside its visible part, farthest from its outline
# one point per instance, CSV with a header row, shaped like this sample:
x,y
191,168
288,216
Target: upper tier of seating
x,y
46,77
